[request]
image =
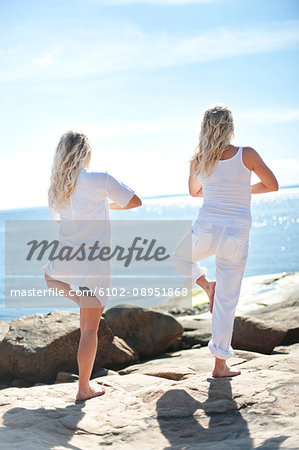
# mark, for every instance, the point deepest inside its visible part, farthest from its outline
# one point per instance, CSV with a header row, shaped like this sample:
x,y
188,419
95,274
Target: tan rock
x,y
144,412
256,335
284,315
145,330
121,354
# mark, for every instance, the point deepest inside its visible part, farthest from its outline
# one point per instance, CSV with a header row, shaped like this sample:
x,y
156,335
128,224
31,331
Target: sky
x,y
136,77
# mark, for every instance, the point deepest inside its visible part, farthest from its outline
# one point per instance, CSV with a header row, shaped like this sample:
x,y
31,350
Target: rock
x,y
103,372
66,377
121,354
201,337
19,383
37,347
148,412
175,346
262,290
256,335
147,331
251,334
185,346
284,315
196,346
197,322
190,361
4,327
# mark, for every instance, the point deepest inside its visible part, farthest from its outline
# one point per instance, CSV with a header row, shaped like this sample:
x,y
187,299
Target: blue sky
x,y
136,76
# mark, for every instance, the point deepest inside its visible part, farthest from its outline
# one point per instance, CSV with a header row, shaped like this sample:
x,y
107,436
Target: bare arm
x,y
195,188
133,203
254,162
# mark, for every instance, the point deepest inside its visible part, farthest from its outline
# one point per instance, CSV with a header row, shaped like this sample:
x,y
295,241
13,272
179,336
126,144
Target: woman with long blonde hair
x,y
78,199
221,173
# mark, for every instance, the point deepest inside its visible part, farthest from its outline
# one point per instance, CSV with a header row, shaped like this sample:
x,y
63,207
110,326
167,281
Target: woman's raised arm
x,y
133,203
253,161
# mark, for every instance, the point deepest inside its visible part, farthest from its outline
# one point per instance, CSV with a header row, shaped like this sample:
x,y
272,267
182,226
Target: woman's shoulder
x,y
250,157
93,174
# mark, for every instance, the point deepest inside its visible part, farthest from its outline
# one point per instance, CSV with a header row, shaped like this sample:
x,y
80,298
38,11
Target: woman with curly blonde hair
x,y
78,199
221,173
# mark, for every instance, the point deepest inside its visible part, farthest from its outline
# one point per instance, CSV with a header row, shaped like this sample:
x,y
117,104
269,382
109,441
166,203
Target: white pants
x,y
229,242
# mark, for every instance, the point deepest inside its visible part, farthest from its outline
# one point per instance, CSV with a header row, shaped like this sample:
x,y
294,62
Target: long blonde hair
x,y
70,158
217,130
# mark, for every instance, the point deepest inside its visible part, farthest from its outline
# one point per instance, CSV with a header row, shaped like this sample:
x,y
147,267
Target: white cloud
x,y
268,115
287,170
118,49
190,125
46,60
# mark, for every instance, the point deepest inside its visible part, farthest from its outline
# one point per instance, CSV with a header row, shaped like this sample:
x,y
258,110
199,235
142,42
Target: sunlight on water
x,y
274,236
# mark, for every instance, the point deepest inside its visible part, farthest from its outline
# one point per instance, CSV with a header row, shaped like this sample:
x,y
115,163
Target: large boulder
x,y
284,315
37,347
256,335
250,333
147,331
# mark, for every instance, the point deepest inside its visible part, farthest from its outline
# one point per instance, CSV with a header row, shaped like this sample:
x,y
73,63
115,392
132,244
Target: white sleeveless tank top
x,y
227,191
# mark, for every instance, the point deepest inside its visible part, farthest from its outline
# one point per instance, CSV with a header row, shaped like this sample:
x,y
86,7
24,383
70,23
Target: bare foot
x,y
209,288
91,392
211,293
226,371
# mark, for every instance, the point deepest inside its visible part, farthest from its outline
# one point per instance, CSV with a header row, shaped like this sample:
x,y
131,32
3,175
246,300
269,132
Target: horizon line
x,y
144,198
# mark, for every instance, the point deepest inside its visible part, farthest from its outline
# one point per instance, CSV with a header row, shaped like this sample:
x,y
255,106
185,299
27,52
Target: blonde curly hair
x,y
70,158
217,130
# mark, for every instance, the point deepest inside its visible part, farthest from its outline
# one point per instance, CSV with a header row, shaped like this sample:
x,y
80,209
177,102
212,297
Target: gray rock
x,y
200,336
147,331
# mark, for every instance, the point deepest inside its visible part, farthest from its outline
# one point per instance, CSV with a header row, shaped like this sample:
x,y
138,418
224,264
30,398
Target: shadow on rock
x,y
219,421
54,427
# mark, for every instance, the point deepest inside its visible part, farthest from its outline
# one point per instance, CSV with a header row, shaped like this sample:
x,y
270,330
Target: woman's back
x,y
227,191
89,199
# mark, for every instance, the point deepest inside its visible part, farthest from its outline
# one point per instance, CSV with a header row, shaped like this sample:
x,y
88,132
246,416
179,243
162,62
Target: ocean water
x,y
274,236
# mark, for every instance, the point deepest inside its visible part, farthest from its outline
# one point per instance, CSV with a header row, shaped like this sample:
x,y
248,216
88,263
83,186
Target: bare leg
x,y
89,323
209,287
61,286
221,369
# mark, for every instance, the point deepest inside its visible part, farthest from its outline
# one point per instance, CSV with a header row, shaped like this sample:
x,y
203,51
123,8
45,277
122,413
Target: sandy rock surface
x,y
258,409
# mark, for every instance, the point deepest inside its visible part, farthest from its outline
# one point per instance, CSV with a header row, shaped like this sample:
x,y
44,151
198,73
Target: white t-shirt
x,y
86,219
89,199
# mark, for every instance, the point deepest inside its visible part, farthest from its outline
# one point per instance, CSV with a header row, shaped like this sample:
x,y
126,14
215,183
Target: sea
x,y
274,236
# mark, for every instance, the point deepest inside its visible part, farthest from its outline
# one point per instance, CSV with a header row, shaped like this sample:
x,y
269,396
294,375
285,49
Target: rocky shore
x,y
156,368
